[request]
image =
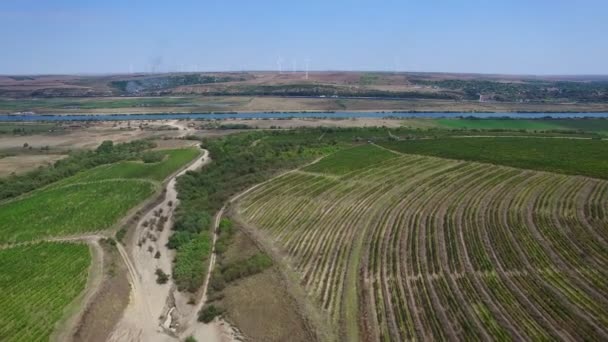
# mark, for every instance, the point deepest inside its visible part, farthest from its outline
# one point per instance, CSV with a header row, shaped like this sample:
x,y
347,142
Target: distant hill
x,y
443,86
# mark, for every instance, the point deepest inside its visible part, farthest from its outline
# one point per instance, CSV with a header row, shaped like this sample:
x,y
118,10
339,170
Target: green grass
x,y
351,159
587,125
36,283
173,160
89,201
71,209
569,156
584,125
540,125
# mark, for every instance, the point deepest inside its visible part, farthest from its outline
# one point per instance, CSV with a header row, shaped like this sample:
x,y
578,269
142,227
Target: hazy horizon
x,y
100,74
544,38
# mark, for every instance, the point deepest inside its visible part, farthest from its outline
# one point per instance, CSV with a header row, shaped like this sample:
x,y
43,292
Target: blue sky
x,y
510,36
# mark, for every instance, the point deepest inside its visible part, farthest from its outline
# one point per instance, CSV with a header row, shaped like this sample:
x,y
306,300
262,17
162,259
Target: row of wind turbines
x,y
294,66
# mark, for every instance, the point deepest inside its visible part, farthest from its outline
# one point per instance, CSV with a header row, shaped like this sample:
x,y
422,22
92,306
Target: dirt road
x,y
158,312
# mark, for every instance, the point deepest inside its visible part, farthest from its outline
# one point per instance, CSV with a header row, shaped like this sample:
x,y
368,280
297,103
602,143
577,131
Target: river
x,y
279,115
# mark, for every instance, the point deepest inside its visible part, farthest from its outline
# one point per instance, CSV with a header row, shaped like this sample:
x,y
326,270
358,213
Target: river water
x,y
273,115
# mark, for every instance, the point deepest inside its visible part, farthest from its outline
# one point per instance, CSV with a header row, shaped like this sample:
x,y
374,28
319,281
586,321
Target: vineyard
x,y
40,279
419,247
36,283
86,202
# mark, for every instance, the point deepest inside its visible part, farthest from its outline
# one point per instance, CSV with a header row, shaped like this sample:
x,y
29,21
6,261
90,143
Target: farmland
x,y
40,279
169,162
90,201
69,210
420,247
37,282
570,156
585,125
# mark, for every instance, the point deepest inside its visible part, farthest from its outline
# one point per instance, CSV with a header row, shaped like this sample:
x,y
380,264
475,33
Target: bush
x,y
191,263
209,312
161,277
250,266
120,234
179,239
193,222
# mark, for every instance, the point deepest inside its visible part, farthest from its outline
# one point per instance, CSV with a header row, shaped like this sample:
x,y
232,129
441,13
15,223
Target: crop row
x,y
36,283
446,249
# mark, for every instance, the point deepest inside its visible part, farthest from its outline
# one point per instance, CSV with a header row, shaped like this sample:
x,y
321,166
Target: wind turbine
x,y
280,64
307,60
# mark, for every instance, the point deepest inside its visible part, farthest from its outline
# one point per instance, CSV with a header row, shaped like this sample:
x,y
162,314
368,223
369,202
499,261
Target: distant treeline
x,y
165,82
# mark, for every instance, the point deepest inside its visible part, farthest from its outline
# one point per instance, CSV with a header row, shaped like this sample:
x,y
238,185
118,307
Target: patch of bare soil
x,y
167,144
79,138
313,122
104,311
260,305
22,163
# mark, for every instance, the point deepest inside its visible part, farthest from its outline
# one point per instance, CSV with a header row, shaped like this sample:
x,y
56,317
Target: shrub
x,y
250,266
151,157
120,234
209,312
191,262
161,277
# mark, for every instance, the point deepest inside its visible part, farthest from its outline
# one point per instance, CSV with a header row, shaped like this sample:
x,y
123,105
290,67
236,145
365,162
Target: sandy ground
x,y
23,163
296,123
158,312
86,138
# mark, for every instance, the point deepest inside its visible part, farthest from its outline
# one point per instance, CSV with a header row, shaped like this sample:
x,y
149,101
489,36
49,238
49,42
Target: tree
x,y
106,147
161,277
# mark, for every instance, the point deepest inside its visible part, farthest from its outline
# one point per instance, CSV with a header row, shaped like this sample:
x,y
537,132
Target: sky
x,y
118,36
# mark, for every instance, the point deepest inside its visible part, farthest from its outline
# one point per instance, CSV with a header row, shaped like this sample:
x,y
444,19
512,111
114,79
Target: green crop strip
x,y
36,283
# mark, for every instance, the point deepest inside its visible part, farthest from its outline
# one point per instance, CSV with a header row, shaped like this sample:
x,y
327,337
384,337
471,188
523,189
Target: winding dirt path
x,y
155,311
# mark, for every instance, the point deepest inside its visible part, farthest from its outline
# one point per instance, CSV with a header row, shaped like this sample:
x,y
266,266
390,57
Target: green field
x,y
71,209
36,283
584,125
351,159
173,160
498,124
426,248
89,201
39,280
569,156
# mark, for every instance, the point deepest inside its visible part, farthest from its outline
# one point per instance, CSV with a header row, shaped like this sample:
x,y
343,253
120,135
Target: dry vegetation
x,y
253,301
292,91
